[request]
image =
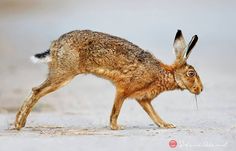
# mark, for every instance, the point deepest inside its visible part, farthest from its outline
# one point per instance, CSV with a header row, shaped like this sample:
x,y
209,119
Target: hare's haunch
x,y
135,73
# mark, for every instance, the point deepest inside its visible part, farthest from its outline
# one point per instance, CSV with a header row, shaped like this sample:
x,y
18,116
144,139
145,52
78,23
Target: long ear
x,y
179,44
191,44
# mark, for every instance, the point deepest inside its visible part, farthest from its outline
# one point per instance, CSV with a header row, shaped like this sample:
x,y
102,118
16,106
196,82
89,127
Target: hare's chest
x,y
148,93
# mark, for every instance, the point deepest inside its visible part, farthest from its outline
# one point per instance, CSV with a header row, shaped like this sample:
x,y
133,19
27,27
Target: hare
x,y
135,73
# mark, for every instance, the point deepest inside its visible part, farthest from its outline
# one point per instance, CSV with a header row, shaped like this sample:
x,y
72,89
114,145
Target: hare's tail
x,y
43,57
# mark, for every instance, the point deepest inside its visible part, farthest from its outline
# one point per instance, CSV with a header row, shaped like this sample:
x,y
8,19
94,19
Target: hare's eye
x,y
191,73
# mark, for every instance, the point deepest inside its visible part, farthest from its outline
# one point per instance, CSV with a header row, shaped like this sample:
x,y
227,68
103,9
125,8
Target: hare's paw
x,y
167,125
19,125
20,121
116,127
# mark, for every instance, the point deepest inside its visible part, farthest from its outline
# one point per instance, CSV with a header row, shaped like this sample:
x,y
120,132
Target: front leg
x,y
116,110
147,106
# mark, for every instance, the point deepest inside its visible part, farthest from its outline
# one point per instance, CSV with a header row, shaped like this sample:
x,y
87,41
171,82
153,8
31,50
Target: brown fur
x,y
135,73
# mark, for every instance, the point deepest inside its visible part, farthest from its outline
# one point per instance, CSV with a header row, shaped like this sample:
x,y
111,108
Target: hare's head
x,y
185,74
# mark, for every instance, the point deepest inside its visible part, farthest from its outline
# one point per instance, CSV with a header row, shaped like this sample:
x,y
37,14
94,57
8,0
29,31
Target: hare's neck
x,y
169,78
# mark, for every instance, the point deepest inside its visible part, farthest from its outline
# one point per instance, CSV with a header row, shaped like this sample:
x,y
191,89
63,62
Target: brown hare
x,y
135,73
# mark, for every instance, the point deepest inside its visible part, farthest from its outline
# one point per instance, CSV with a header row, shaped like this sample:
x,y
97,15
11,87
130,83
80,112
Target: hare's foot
x,y
166,125
146,104
116,127
20,121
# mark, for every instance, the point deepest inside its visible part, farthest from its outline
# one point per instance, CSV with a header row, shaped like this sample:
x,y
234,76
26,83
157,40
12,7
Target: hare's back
x,y
104,50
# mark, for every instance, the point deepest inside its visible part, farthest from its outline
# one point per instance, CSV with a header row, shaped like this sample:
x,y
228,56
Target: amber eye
x,y
191,73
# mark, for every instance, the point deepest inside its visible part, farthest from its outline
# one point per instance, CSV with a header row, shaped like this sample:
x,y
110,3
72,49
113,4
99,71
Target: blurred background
x,y
28,26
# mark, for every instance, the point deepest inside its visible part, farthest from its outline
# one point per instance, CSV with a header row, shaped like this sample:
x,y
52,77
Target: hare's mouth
x,y
195,92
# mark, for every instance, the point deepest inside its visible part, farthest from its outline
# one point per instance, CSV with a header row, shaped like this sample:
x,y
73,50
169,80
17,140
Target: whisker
x,y
196,101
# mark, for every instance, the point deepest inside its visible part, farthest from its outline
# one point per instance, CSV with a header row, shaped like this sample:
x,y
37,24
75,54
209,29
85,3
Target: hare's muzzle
x,y
197,89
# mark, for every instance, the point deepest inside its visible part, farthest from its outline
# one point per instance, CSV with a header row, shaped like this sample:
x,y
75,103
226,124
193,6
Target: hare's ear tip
x,y
195,38
179,30
178,34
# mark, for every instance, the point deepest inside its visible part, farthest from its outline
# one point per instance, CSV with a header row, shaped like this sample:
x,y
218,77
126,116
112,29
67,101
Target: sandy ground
x,y
76,117
89,132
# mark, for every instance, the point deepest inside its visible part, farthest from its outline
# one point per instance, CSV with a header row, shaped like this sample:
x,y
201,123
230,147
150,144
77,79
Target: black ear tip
x,y
195,38
178,34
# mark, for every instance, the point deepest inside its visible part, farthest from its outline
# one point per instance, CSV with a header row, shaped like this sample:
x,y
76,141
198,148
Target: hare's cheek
x,y
193,81
190,82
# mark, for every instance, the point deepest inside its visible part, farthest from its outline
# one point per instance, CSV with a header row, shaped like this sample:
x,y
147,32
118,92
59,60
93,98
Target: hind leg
x,y
53,82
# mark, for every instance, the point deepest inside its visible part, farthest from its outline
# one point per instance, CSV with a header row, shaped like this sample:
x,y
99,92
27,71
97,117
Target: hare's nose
x,y
201,89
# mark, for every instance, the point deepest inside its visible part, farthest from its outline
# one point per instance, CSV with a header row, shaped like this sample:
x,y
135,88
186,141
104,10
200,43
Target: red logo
x,y
172,143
